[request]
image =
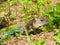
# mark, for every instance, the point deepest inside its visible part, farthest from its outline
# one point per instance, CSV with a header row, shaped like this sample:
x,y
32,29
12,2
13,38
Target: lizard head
x,y
40,22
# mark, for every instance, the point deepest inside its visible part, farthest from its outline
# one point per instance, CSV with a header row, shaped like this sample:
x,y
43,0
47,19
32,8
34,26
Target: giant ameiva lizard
x,y
33,24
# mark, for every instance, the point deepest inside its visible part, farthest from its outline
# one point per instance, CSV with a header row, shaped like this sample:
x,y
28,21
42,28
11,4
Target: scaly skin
x,y
5,32
19,28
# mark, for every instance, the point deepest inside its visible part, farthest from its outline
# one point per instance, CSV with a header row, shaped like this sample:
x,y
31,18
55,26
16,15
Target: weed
x,y
39,42
28,37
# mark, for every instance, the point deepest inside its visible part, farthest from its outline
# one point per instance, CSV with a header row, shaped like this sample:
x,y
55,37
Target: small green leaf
x,y
13,16
51,17
0,44
57,38
57,7
39,42
27,18
48,9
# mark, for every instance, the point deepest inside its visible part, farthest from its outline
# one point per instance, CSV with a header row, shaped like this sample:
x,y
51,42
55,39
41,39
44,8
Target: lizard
x,y
19,28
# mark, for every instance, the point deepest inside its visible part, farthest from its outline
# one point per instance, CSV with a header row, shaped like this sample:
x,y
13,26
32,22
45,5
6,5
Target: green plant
x,y
41,3
13,2
26,18
0,44
53,15
28,37
13,16
26,5
57,36
33,10
5,15
39,42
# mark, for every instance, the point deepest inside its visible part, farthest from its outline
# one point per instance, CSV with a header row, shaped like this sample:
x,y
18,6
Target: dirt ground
x,y
22,40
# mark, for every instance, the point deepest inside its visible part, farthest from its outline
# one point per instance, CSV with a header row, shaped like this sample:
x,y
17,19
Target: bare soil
x,y
22,40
